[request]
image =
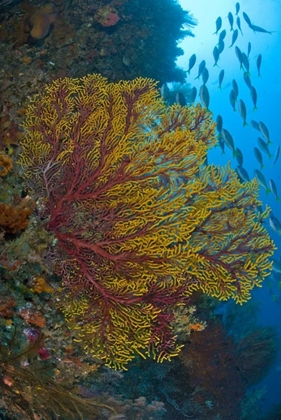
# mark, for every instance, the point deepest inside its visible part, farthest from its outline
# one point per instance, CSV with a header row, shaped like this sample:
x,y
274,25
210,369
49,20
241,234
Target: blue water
x,y
268,87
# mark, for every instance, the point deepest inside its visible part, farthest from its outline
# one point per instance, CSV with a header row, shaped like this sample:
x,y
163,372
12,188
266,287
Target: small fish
x,y
221,76
220,46
234,37
255,125
259,60
247,19
191,63
232,99
249,49
276,155
275,224
228,140
193,94
239,157
274,189
222,35
205,75
245,62
243,174
239,55
265,132
230,20
221,143
276,266
216,56
261,180
204,96
218,25
247,79
256,28
235,88
201,68
238,23
264,147
254,96
242,111
258,156
219,122
180,99
165,92
237,8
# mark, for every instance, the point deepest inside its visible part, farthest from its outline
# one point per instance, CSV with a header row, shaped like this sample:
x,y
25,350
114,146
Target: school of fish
x,y
263,146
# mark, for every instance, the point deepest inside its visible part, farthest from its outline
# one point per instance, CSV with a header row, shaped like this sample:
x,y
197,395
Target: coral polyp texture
x,y
141,220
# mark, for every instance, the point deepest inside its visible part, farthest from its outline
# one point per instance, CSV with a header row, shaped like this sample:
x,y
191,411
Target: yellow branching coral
x,y
141,221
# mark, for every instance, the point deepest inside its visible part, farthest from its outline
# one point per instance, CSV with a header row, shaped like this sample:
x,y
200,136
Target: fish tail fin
x,y
234,153
262,166
278,199
269,142
267,191
197,77
245,124
255,108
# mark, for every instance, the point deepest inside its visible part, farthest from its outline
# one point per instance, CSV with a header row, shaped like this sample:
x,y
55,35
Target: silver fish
x,y
255,125
254,96
265,132
247,79
216,55
204,96
243,174
228,140
259,60
235,88
201,68
234,37
219,122
261,180
256,28
258,156
180,99
247,19
232,99
193,94
275,224
249,49
245,62
239,55
220,47
276,155
221,144
221,76
205,75
191,63
274,189
238,23
222,35
264,147
239,157
165,92
218,24
230,20
242,111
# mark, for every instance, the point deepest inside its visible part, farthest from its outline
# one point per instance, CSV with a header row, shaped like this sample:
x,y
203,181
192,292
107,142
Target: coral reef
x,y
141,221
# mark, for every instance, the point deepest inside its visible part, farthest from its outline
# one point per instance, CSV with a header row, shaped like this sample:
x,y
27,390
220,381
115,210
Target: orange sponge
x,y
41,21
